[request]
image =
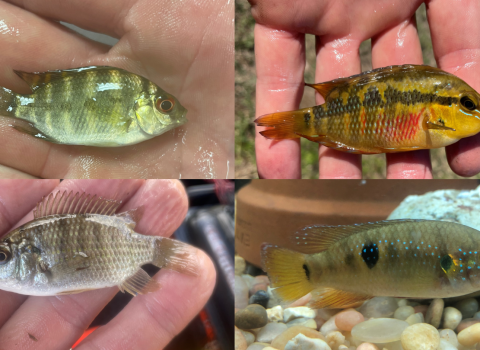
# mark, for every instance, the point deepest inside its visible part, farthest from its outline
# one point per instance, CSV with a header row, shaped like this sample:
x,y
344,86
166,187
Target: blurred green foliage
x,y
373,166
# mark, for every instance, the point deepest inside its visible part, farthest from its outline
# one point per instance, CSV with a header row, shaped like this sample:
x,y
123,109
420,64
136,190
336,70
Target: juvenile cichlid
x,y
77,243
345,265
390,109
92,106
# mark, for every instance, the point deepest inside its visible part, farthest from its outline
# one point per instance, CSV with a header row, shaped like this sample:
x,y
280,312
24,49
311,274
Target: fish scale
x,y
390,109
397,258
95,106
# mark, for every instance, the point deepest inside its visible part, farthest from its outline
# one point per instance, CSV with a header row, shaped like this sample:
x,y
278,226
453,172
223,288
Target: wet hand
x,y
149,321
174,45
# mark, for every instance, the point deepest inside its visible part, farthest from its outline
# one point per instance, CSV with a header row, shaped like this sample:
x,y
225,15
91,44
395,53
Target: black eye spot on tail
x,y
370,255
307,271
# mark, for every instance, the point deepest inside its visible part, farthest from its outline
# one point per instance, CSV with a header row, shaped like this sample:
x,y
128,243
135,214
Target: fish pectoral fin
x,y
133,216
70,266
331,298
74,203
139,283
437,126
30,129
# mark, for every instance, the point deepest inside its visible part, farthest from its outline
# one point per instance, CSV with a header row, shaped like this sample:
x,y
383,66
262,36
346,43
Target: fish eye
x,y
165,105
4,257
468,103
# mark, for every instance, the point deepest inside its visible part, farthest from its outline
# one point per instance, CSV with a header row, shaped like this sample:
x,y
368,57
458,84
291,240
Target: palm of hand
x,y
340,27
167,42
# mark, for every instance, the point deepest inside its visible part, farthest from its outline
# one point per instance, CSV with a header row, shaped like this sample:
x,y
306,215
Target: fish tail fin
x,y
175,255
287,125
287,271
7,98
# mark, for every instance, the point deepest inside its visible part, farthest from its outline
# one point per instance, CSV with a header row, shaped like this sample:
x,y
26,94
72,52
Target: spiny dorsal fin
x,y
317,238
68,203
37,79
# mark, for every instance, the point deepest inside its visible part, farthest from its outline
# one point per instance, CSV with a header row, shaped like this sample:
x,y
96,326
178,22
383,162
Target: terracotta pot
x,y
272,210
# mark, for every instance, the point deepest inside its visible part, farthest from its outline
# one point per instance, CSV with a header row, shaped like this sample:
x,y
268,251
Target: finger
x,y
280,63
29,43
157,316
337,58
100,16
396,46
10,173
17,198
456,45
58,321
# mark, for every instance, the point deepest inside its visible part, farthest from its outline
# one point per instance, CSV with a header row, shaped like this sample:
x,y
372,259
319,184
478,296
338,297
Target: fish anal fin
x,y
30,129
317,138
133,216
76,291
139,283
64,202
331,298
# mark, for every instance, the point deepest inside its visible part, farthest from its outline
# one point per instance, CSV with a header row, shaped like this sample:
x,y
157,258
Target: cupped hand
x,y
149,321
340,26
184,47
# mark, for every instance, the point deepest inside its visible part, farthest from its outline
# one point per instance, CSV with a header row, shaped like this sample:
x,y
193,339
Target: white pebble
x,y
403,312
301,342
415,318
275,314
335,339
329,326
295,312
402,302
379,330
420,336
451,317
445,345
449,336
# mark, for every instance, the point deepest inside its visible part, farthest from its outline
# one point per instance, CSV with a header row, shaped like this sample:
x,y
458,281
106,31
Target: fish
x,y
97,106
343,266
76,242
386,110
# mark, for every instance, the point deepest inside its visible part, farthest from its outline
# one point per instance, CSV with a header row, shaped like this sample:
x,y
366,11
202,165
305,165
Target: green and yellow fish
x,y
93,106
390,109
77,242
345,265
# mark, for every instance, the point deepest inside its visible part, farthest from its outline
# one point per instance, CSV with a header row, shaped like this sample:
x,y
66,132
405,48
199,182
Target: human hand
x,y
149,321
340,27
185,48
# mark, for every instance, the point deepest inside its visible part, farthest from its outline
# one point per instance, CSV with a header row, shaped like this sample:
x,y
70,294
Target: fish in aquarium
x,y
342,266
76,242
94,106
389,109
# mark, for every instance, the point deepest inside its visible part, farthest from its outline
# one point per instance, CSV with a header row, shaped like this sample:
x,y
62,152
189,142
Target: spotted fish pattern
x,y
390,109
397,258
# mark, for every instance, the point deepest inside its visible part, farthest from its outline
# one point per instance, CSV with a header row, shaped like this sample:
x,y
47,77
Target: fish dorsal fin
x,y
79,203
133,216
317,238
324,89
37,79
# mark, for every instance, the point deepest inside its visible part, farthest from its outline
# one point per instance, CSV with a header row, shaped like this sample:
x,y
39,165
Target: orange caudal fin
x,y
286,125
